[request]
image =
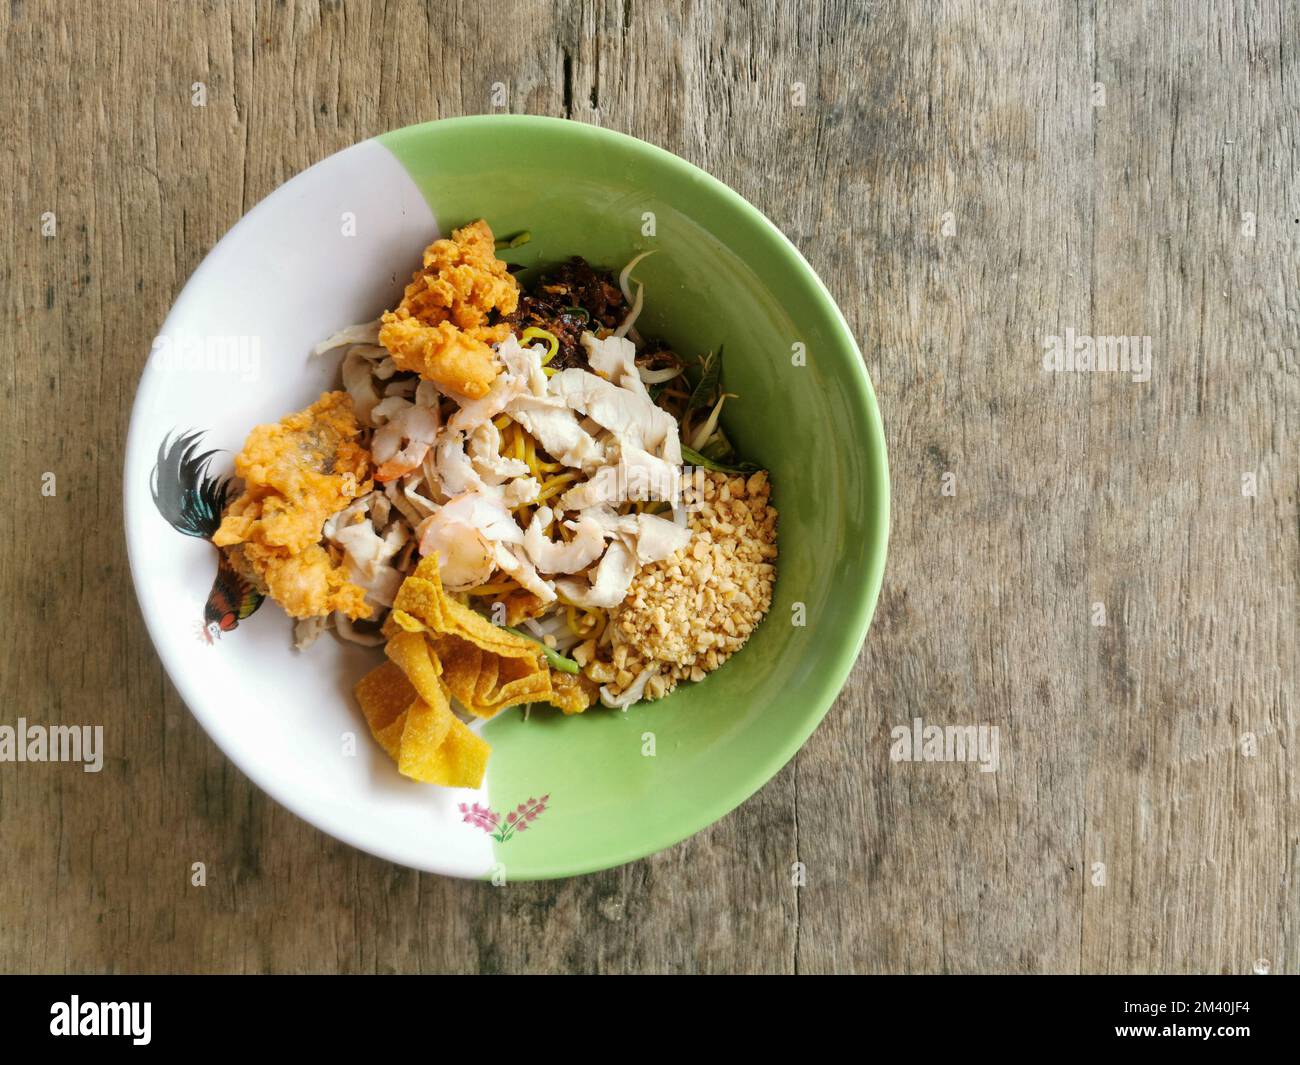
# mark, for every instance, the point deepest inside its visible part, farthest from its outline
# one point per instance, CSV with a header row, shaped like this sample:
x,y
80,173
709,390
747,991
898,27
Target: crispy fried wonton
x,y
438,648
296,474
417,728
484,666
451,313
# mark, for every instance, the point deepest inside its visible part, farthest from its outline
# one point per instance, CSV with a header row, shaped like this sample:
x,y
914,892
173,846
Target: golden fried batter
x,y
441,328
296,474
572,692
521,605
308,584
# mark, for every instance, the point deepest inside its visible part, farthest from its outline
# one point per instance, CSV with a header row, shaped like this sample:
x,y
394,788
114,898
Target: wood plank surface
x,y
969,178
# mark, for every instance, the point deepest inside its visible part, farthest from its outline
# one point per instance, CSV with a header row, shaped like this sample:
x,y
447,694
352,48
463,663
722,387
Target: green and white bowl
x,y
335,245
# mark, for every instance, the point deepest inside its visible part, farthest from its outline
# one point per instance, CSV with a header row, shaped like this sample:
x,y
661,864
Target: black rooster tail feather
x,y
185,494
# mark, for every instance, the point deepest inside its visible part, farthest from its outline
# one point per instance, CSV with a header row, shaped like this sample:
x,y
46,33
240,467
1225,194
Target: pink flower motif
x,y
499,827
479,816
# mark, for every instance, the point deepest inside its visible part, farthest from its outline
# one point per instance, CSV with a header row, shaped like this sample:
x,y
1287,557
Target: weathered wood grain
x,y
953,179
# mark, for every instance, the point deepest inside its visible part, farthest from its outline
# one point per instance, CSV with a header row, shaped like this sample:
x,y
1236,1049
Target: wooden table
x,y
969,178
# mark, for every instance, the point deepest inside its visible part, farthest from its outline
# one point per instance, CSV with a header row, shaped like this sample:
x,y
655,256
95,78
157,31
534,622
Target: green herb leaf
x,y
718,448
705,393
518,240
694,458
557,660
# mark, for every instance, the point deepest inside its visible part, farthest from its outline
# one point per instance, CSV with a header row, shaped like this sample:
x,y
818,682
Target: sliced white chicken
x,y
427,395
554,426
456,472
474,412
524,363
409,503
614,358
512,560
609,584
401,443
611,522
350,514
365,333
368,555
657,539
631,417
522,374
389,407
649,537
402,388
599,490
360,383
648,477
484,450
559,556
638,476
419,501
485,512
520,491
365,548
464,533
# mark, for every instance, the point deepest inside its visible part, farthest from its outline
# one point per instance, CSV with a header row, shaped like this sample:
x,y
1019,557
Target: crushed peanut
x,y
690,613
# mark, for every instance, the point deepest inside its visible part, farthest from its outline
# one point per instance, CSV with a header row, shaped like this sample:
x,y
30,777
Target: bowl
x,y
334,246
